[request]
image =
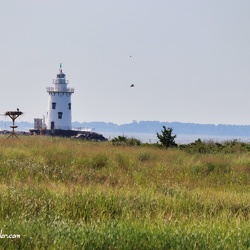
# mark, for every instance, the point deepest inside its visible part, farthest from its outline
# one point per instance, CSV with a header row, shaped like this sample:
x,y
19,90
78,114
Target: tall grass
x,y
68,194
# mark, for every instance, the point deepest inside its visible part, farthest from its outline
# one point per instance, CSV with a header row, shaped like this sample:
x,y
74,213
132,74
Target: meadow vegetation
x,y
63,193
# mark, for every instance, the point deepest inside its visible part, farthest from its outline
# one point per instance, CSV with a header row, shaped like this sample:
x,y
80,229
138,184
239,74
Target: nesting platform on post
x,y
13,115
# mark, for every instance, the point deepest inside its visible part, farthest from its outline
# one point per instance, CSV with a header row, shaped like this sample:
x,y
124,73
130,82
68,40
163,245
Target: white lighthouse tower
x,y
59,106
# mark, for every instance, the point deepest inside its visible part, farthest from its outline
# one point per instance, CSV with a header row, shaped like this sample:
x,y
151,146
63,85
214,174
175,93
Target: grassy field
x,y
67,194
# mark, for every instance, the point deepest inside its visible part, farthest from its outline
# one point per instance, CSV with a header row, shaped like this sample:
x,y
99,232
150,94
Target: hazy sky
x,y
189,59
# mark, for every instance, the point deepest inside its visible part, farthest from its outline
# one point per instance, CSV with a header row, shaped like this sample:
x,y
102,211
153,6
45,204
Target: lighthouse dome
x,y
61,75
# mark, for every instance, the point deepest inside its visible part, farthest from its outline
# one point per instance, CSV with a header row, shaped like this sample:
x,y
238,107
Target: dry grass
x,y
64,193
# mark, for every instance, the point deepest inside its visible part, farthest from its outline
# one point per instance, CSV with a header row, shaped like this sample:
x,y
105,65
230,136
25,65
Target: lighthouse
x,y
59,105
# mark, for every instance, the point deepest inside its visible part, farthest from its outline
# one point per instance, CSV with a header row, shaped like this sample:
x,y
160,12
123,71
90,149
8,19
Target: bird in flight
x,y
132,85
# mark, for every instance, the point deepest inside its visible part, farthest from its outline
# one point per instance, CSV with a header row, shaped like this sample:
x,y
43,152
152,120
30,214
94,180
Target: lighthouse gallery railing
x,y
67,90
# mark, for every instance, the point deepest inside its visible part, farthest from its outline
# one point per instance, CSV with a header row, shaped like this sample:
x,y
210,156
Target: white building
x,y
59,106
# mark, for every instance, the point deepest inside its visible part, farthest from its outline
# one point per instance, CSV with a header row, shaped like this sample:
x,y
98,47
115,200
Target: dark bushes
x,y
211,147
125,141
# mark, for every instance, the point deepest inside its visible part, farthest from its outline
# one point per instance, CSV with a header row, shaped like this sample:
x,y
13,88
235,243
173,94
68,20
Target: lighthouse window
x,y
53,105
60,115
69,106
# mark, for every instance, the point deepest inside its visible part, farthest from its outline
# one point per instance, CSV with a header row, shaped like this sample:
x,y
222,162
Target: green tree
x,y
166,137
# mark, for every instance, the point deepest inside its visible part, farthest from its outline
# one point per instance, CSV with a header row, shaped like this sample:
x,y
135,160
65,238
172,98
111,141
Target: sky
x,y
188,59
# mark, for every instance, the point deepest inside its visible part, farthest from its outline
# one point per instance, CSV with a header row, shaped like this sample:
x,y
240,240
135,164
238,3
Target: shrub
x,y
125,141
211,147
